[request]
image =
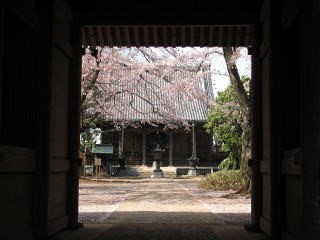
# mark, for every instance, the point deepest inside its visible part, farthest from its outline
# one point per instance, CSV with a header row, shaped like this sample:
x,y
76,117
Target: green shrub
x,y
222,180
228,163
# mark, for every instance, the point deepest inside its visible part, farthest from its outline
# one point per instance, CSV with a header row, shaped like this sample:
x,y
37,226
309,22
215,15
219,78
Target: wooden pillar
x,y
119,145
121,156
144,148
170,149
266,94
74,130
256,139
277,185
121,138
1,54
41,192
194,141
310,117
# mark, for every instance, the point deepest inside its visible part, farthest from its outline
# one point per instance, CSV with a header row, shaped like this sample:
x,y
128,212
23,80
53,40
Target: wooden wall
x,y
38,130
290,115
309,75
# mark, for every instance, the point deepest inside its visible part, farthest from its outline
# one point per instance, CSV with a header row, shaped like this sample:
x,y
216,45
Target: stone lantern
x,y
193,160
157,172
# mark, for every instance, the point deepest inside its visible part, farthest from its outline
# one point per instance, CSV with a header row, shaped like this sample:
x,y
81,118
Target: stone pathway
x,y
99,200
160,209
162,203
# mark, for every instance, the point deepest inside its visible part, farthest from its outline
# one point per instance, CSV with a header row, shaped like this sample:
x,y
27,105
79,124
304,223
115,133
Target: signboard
x,y
97,161
102,149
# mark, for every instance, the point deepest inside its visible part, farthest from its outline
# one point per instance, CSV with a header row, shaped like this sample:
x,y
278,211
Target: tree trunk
x,y
245,156
244,103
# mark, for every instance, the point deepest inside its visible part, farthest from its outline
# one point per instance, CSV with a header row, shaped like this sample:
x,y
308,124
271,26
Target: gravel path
x,y
100,202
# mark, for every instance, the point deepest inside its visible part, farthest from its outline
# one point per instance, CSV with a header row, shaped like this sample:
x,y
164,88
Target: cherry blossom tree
x,y
114,79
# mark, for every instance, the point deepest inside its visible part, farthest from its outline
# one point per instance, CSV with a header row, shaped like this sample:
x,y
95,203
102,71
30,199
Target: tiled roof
x,y
181,106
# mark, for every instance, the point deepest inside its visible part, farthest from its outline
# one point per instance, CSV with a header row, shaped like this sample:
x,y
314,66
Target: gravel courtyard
x,y
162,201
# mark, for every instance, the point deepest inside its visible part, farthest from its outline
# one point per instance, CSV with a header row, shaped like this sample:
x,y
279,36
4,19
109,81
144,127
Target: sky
x,y
221,81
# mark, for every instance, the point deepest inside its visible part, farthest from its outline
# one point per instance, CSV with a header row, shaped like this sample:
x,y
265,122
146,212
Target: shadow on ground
x,y
158,231
168,217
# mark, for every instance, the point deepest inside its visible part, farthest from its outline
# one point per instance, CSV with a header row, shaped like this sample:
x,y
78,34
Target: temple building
x,y
142,128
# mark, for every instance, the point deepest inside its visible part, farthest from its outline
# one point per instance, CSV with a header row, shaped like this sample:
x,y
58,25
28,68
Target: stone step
x,y
145,172
149,174
168,172
127,172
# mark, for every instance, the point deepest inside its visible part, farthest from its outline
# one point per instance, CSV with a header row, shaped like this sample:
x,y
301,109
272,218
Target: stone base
x,y
192,172
157,174
127,172
154,164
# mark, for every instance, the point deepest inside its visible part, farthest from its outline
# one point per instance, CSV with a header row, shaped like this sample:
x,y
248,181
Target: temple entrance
x,y
137,198
48,156
41,46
